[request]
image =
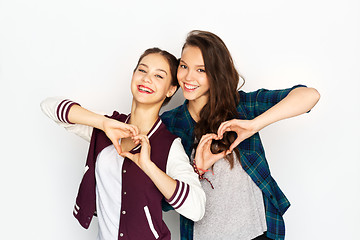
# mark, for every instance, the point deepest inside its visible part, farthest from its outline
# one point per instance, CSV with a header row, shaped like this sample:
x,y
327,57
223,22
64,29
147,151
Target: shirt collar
x,y
189,120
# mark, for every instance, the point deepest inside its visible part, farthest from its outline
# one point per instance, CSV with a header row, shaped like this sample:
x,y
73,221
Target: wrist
x,y
258,123
147,166
101,123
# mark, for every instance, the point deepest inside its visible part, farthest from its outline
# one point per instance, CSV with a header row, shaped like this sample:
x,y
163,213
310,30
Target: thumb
x,y
127,155
217,157
235,144
116,145
118,148
220,155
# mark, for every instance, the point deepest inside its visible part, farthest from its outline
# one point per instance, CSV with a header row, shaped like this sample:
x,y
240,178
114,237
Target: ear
x,y
171,91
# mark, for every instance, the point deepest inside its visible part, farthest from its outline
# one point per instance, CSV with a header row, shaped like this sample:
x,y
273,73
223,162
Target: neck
x,y
195,107
144,116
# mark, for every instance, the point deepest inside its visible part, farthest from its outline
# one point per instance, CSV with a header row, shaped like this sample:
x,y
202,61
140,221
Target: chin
x,y
189,96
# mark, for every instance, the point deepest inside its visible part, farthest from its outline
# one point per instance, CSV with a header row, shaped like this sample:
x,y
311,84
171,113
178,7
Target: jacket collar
x,y
153,129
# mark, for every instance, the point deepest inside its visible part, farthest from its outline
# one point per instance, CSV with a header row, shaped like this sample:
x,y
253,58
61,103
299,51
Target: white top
x,y
108,192
234,208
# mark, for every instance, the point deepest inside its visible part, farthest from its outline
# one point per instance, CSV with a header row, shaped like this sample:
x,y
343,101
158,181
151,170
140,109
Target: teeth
x,y
191,87
145,89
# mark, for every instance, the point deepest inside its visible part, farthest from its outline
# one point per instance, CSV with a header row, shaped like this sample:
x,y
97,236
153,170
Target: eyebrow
x,y
195,65
159,69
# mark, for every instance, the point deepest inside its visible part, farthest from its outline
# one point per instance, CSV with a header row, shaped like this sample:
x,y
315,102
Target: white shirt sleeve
x,y
189,197
57,109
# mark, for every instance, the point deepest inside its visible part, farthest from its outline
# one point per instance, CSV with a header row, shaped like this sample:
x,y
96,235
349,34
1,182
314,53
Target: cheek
x,y
180,73
205,81
132,81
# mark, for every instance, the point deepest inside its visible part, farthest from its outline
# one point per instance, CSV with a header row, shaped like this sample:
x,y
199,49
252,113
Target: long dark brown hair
x,y
223,96
173,65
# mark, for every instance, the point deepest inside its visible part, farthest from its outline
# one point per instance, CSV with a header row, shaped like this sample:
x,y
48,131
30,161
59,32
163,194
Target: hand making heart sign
x,y
116,130
204,158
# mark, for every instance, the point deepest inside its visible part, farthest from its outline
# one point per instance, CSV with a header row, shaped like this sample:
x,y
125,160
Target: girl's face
x,y
151,81
192,76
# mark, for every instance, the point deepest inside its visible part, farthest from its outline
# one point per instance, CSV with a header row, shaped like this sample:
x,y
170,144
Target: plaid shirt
x,y
252,155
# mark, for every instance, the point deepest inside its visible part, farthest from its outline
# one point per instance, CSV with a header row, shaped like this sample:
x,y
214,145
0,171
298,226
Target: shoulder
x,y
265,95
246,95
165,134
171,113
161,140
171,117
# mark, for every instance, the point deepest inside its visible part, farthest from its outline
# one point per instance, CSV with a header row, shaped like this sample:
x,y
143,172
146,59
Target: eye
x,y
183,66
159,76
201,70
141,70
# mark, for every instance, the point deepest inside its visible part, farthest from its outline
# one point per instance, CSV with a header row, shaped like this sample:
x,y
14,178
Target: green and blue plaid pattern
x,y
252,155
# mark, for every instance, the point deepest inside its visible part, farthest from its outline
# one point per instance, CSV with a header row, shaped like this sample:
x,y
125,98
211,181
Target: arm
x,y
189,198
57,109
81,121
114,130
298,101
179,185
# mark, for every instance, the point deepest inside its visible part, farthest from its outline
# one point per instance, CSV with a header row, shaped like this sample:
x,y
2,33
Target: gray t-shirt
x,y
234,208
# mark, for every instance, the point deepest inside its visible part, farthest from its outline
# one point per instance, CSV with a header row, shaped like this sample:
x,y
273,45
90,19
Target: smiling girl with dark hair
x,y
219,128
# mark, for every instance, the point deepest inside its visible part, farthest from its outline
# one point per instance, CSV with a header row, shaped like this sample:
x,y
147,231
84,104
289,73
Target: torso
x,y
234,208
123,190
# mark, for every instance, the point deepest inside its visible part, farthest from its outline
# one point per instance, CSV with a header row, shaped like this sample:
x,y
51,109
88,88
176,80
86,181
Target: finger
x,y
237,141
139,138
143,140
207,145
127,155
145,143
146,139
207,137
205,141
134,130
223,128
136,141
117,146
203,137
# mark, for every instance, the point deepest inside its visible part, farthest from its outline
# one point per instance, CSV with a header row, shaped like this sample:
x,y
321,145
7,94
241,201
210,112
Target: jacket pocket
x,y
150,222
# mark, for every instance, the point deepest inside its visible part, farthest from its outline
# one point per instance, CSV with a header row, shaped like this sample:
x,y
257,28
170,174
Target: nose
x,y
147,78
188,76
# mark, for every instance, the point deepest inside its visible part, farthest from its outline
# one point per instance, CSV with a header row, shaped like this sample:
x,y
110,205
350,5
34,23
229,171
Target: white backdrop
x,y
86,50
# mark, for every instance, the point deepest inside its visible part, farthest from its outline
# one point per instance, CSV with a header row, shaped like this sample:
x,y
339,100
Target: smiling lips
x,y
190,87
144,89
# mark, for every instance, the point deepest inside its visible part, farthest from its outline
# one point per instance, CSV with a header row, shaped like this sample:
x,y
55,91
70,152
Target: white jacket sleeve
x,y
57,109
189,197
